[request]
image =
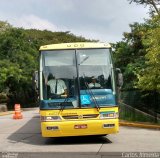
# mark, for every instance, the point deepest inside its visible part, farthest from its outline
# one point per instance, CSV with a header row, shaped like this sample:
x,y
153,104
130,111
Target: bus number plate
x,y
82,126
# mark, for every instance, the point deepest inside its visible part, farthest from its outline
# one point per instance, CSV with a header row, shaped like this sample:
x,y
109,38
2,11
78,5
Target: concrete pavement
x,y
24,136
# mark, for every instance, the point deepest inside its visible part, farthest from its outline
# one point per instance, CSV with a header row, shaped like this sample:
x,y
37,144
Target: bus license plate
x,y
82,126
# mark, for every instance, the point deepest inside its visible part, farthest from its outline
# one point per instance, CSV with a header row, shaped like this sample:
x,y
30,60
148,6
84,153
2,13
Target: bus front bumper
x,y
79,128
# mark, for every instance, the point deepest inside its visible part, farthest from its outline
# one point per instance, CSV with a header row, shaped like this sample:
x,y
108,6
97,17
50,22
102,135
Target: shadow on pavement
x,y
78,140
30,133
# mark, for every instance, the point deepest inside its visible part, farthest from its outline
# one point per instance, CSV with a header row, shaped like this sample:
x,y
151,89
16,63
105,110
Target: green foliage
x,y
8,69
4,26
38,37
129,54
149,77
138,55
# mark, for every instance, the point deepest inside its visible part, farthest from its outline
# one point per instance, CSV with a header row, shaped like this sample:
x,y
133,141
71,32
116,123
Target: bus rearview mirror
x,y
35,80
119,77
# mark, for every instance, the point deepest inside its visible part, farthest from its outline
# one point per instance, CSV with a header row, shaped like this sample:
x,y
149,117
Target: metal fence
x,y
129,113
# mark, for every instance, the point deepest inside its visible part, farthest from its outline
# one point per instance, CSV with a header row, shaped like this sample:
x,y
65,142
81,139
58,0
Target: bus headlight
x,y
50,118
108,115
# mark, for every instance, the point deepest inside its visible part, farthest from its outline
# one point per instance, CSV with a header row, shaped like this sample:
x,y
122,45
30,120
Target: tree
x,y
153,5
129,54
4,26
149,77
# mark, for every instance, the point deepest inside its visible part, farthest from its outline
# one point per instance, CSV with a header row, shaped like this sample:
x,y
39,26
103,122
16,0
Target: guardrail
x,y
130,113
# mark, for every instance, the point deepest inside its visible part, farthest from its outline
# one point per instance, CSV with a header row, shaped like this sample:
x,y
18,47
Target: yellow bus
x,y
77,87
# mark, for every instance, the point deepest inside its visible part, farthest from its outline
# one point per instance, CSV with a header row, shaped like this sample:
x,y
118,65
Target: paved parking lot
x,y
24,136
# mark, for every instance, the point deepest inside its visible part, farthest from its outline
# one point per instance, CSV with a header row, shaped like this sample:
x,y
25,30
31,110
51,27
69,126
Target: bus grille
x,y
88,116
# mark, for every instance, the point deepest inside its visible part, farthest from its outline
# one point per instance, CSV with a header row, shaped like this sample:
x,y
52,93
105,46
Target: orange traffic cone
x,y
17,114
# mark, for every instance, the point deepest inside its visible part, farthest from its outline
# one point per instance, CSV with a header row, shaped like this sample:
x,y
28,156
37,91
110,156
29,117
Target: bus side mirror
x,y
35,80
119,77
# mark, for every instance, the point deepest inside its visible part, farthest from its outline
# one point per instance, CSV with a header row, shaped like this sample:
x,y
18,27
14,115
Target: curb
x,y
12,112
29,109
140,125
6,113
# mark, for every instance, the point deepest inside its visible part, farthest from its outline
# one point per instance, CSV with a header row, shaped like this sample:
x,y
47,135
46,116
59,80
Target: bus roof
x,y
76,45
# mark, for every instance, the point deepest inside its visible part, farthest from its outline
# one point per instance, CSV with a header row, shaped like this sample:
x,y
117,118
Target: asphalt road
x,y
24,136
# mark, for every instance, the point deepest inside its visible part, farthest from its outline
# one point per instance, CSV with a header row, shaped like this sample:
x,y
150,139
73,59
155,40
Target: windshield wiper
x,y
63,104
91,94
84,60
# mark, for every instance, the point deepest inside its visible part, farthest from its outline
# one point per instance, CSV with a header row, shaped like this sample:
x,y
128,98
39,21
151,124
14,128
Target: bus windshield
x,y
77,79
